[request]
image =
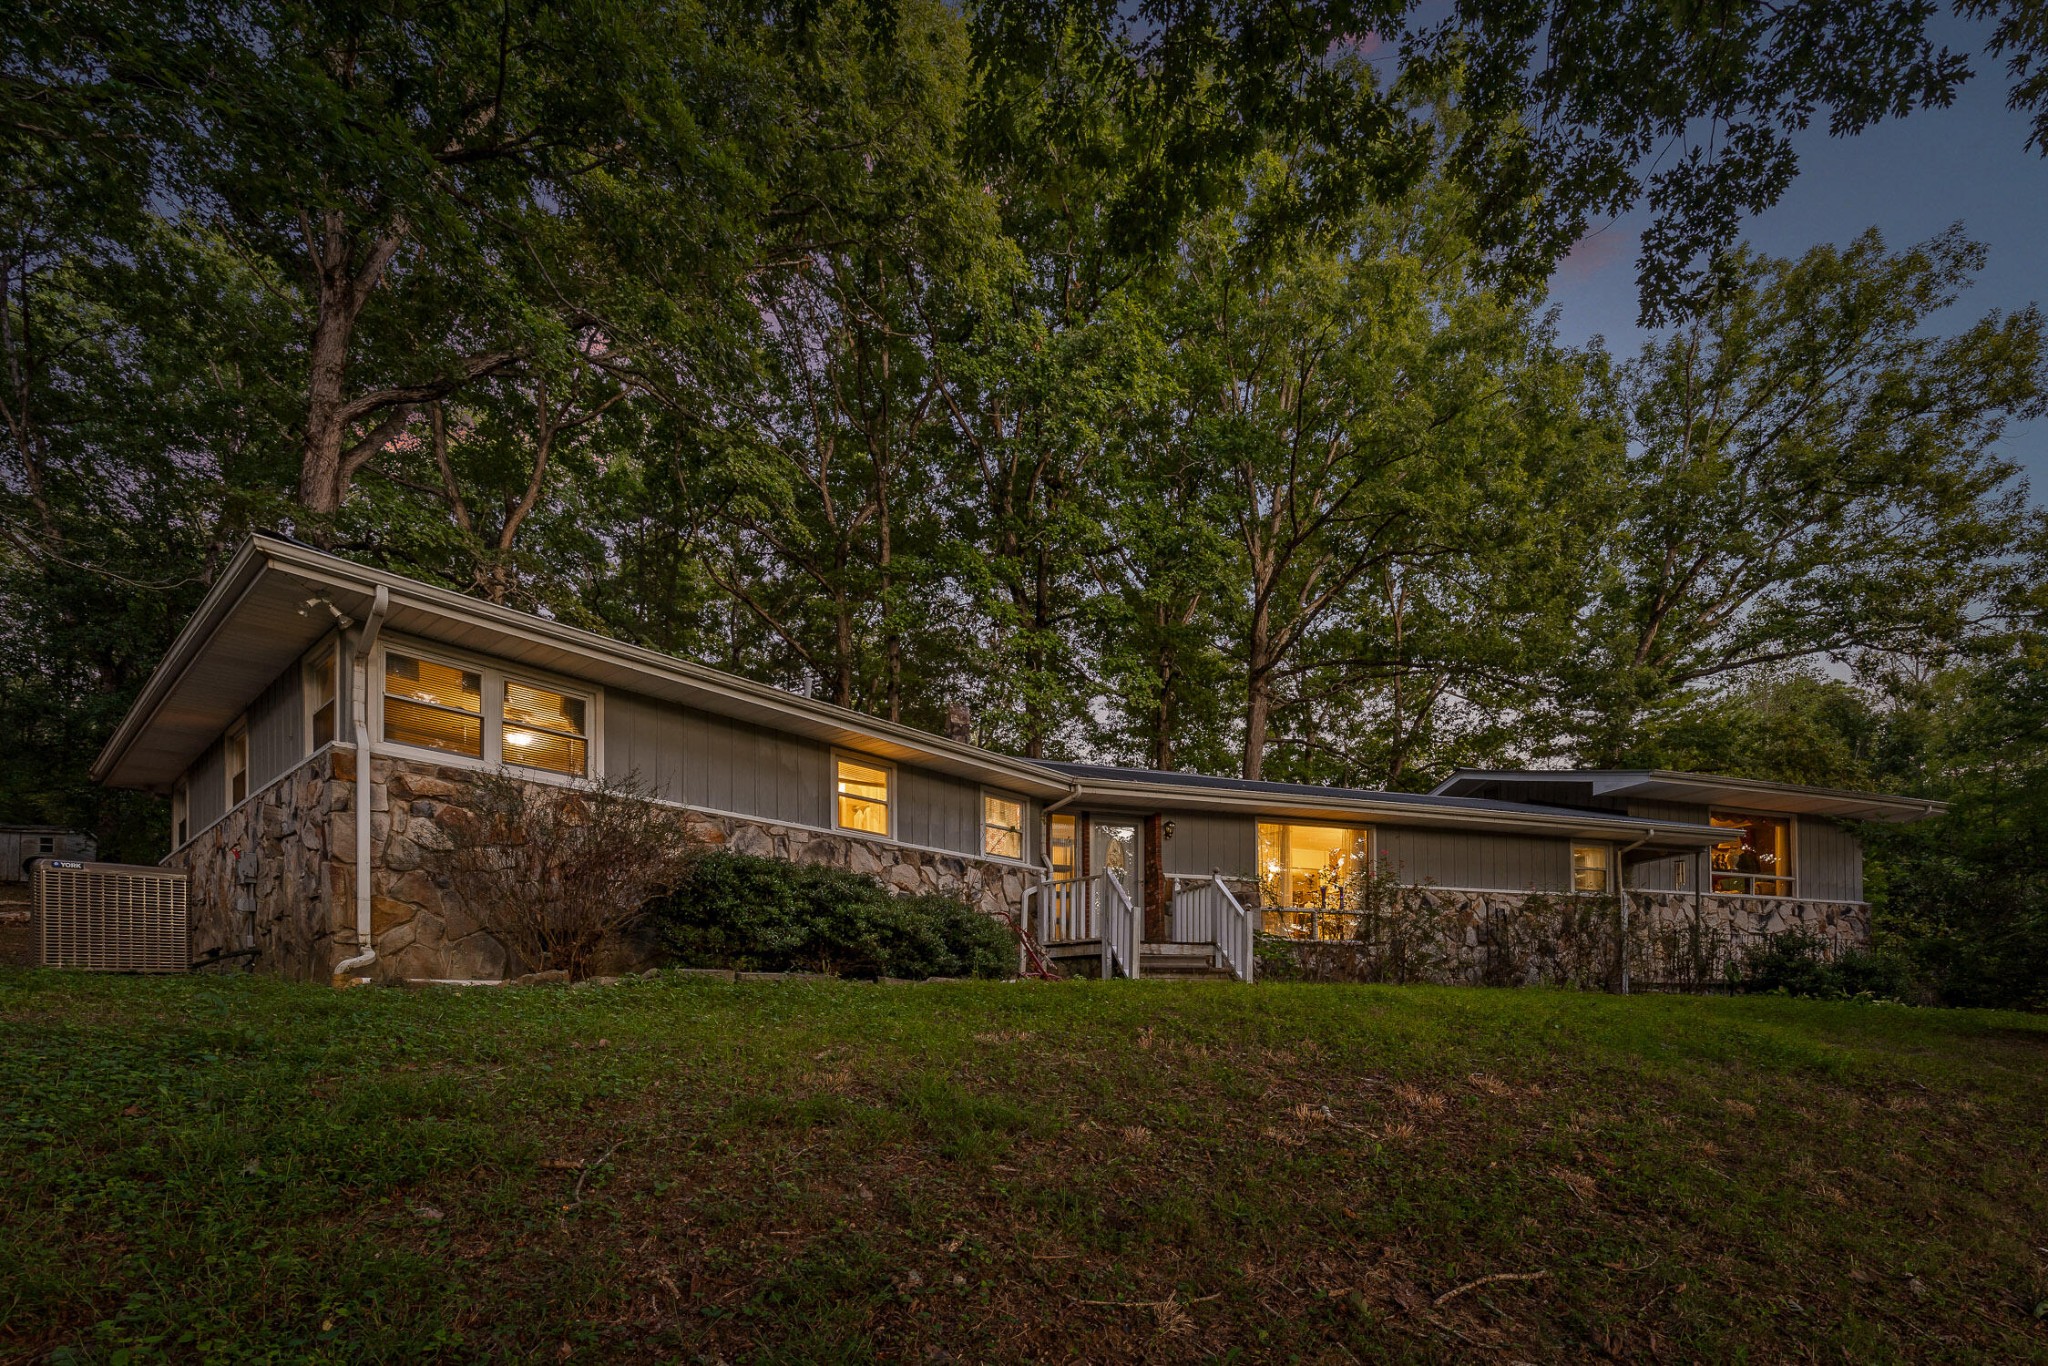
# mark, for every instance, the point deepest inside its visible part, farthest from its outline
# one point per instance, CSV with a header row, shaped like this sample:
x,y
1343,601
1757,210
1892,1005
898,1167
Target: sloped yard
x,y
682,1170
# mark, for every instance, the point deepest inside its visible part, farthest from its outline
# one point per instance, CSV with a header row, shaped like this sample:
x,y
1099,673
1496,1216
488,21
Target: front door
x,y
1118,853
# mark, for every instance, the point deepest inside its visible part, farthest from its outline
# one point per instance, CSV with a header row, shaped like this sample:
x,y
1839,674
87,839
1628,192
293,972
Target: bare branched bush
x,y
560,873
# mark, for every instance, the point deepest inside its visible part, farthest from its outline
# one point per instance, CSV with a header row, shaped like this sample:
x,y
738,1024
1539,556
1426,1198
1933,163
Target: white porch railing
x,y
1122,929
1079,910
1206,911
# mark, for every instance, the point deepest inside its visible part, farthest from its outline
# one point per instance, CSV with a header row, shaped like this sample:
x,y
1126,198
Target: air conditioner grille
x,y
111,917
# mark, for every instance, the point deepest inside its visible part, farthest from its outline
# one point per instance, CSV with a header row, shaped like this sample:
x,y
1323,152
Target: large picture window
x,y
862,793
1758,861
545,729
1307,879
433,705
1002,826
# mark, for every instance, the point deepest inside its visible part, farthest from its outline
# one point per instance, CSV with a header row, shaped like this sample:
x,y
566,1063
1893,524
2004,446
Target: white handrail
x,y
1238,933
1065,911
1119,930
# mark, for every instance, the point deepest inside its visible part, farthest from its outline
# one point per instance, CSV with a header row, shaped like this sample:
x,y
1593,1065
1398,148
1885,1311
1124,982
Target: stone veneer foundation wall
x,y
278,874
1672,935
421,928
268,876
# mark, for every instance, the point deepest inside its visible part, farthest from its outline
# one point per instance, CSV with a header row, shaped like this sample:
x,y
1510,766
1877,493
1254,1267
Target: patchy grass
x,y
242,1169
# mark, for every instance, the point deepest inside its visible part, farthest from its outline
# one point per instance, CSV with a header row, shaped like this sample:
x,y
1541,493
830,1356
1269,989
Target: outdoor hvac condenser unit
x,y
111,917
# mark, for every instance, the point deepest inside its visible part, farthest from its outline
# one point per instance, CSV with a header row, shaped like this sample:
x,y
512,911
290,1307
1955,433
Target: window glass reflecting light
x,y
433,706
1758,862
1002,826
863,797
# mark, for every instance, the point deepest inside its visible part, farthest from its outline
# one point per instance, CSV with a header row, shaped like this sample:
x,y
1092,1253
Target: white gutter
x,y
360,716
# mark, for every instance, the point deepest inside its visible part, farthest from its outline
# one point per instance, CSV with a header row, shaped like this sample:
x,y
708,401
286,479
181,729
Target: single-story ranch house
x,y
315,717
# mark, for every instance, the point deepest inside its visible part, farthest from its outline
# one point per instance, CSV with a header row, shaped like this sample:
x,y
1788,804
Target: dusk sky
x,y
1910,179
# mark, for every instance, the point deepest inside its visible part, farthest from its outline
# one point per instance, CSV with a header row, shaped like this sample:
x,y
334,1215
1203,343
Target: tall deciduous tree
x,y
1813,474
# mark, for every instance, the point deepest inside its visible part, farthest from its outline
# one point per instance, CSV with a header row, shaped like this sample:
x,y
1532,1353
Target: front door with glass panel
x,y
1117,853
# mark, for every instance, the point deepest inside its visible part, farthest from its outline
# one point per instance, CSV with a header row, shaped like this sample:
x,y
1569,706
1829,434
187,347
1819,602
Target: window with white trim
x,y
863,791
1002,826
477,712
544,728
237,764
431,705
181,815
1590,869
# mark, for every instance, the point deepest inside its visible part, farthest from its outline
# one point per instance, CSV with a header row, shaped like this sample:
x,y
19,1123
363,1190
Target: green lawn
x,y
680,1170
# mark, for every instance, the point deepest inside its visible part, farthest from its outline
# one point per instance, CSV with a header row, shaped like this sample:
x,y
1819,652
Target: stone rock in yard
x,y
538,979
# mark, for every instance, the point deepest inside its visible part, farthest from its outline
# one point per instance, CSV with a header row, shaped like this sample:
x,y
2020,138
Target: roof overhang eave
x,y
1156,796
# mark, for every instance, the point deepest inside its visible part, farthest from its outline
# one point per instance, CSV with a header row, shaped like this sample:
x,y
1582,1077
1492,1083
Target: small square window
x,y
1590,869
1002,826
863,793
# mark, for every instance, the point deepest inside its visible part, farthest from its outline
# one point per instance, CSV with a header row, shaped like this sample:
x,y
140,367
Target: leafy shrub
x,y
1796,964
766,915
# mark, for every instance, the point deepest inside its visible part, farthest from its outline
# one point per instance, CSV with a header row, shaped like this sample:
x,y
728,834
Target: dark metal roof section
x,y
1658,784
1104,778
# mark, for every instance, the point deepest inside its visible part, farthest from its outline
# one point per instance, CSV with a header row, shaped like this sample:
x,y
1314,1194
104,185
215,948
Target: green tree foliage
x,y
1159,383
1812,474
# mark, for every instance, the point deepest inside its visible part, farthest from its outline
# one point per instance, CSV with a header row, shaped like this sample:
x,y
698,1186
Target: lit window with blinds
x,y
862,792
433,705
238,765
321,694
545,729
1002,826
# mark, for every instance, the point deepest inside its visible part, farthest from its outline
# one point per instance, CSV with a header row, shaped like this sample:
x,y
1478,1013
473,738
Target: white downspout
x,y
359,713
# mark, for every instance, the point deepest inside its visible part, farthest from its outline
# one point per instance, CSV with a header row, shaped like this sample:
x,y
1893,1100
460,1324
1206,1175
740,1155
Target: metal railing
x,y
1206,911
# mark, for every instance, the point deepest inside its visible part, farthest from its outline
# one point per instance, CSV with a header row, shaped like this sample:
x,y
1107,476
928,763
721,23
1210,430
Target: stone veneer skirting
x,y
277,875
1681,938
269,877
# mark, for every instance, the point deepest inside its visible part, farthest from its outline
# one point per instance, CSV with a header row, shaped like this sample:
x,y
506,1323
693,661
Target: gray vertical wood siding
x,y
1203,843
277,729
1827,861
1486,860
687,756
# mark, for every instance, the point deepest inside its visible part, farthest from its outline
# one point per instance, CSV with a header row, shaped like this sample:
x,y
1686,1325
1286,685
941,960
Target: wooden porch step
x,y
1169,962
1182,963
